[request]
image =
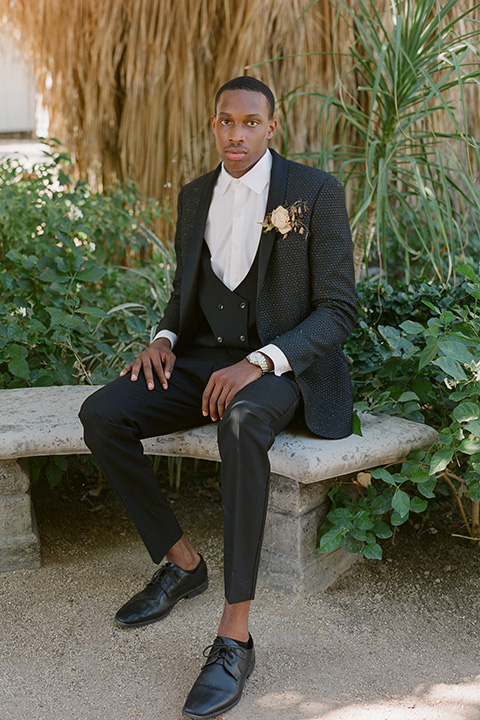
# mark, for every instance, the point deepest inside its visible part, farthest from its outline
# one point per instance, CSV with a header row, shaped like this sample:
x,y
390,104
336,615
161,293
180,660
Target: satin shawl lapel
x,y
276,197
194,243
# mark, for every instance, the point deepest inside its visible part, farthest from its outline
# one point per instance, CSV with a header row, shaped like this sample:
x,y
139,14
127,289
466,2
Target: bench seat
x,y
44,421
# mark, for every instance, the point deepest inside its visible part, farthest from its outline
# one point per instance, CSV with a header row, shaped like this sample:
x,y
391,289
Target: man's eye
x,y
225,122
252,123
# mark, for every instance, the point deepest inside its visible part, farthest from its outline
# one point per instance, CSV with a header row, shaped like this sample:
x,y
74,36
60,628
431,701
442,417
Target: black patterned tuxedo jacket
x,y
306,290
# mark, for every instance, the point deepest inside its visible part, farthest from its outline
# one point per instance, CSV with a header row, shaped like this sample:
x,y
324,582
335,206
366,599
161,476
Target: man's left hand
x,y
224,384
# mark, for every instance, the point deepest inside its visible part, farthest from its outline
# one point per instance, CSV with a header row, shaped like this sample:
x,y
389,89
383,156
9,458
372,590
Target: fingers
x,y
223,385
214,400
152,361
126,369
169,364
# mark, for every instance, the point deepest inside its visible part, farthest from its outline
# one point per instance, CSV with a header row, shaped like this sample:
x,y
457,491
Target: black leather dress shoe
x,y
219,686
167,586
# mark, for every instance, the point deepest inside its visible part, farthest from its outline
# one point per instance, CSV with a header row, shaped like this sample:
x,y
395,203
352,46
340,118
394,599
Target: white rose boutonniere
x,y
284,220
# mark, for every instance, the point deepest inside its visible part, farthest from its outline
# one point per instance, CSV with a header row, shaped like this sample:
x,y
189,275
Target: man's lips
x,y
235,152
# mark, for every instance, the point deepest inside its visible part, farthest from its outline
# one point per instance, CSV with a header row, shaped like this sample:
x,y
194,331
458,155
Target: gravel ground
x,y
392,640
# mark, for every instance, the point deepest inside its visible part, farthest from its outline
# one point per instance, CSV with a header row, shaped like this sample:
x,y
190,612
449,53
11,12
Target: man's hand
x,y
158,358
225,384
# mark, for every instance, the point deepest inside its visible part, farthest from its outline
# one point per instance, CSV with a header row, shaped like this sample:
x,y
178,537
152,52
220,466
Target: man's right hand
x,y
158,358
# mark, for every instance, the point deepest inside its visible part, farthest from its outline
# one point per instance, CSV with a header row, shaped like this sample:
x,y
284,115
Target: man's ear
x,y
212,122
272,127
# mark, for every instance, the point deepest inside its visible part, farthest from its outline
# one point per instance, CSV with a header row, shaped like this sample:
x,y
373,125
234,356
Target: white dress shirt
x,y
233,233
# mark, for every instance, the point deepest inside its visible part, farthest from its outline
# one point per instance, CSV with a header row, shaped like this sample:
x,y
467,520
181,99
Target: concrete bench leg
x,y
290,560
19,542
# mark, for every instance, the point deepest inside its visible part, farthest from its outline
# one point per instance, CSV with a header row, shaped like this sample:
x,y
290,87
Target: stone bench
x,y
43,422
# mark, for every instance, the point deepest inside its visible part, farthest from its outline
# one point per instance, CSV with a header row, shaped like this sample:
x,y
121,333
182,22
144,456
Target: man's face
x,y
242,129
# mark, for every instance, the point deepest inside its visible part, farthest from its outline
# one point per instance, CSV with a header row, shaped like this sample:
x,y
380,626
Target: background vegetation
x,y
385,94
132,100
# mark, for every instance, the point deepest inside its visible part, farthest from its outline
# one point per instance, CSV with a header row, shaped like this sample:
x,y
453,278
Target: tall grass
x,y
405,144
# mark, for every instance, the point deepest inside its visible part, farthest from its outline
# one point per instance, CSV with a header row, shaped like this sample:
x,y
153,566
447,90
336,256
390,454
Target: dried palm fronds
x,y
133,82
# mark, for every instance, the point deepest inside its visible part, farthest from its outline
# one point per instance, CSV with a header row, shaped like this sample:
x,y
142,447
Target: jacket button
x,y
219,339
242,338
220,307
243,305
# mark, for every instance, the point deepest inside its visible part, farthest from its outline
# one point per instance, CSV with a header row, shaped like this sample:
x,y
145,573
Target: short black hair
x,y
245,82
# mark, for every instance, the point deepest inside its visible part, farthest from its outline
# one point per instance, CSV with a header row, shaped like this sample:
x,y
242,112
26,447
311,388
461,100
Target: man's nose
x,y
237,133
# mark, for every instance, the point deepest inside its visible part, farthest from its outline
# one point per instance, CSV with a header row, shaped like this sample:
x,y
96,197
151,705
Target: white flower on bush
x,y
75,213
476,371
19,311
92,246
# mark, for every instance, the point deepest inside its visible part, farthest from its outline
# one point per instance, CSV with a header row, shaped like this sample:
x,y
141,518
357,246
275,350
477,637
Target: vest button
x,y
219,339
242,338
220,307
243,305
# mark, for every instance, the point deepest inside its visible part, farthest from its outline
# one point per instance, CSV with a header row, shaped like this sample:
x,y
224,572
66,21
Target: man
x,y
250,338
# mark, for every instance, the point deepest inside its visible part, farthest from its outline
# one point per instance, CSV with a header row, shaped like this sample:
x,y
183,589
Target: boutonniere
x,y
286,219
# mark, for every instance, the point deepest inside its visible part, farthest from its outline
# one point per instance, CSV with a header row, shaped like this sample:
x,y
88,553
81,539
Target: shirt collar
x,y
255,179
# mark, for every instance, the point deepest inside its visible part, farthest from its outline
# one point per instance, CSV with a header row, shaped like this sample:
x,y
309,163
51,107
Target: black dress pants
x,y
118,416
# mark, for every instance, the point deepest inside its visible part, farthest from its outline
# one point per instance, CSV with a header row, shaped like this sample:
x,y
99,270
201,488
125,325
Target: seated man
x,y
250,338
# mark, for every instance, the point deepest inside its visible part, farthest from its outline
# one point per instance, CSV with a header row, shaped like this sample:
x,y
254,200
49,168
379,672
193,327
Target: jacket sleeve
x,y
171,316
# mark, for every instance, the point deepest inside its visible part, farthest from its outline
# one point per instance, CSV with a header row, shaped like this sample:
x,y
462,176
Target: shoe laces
x,y
164,574
220,652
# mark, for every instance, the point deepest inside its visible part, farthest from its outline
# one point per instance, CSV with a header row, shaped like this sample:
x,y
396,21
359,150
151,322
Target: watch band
x,y
257,358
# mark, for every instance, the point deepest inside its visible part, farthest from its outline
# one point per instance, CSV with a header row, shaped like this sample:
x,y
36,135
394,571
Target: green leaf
x,y
91,274
409,395
419,475
466,411
456,349
362,520
397,519
358,533
54,474
474,427
427,355
351,544
383,474
469,446
19,367
357,425
427,487
418,505
401,502
451,367
331,540
381,530
136,324
467,271
59,317
340,517
63,178
373,551
412,328
474,491
382,503
440,460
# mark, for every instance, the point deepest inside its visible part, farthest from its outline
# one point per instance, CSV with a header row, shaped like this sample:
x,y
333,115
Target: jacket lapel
x,y
195,242
276,196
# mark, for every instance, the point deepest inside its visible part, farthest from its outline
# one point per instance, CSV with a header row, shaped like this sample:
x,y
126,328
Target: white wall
x,y
17,94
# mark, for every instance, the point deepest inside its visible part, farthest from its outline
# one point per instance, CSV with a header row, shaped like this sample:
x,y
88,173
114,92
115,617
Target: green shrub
x,y
424,365
80,285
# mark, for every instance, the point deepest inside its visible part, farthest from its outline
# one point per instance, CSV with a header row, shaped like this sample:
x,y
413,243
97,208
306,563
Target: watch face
x,y
256,358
